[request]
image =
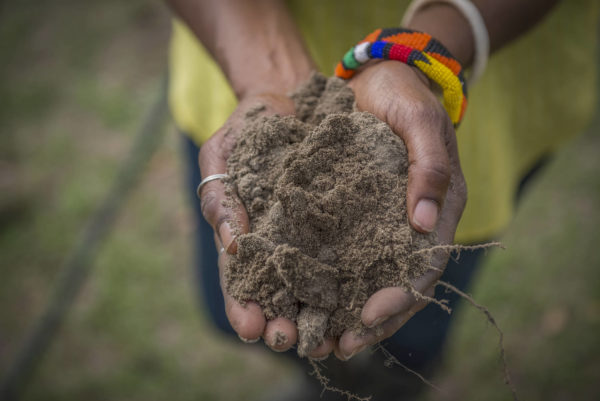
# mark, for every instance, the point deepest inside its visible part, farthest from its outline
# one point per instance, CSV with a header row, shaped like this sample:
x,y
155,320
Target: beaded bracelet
x,y
416,49
481,36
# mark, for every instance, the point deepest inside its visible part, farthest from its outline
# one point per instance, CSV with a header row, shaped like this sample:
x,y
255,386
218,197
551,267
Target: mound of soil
x,y
325,191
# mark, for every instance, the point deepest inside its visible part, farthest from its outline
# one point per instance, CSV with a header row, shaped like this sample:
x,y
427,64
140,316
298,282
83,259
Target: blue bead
x,y
377,49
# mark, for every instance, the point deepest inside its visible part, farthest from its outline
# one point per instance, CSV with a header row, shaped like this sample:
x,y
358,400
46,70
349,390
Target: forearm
x,y
505,20
256,43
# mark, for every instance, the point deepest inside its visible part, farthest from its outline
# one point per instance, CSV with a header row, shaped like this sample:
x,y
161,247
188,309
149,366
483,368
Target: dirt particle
x,y
280,339
326,196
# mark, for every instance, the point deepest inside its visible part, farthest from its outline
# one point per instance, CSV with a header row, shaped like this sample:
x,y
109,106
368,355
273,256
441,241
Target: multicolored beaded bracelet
x,y
416,49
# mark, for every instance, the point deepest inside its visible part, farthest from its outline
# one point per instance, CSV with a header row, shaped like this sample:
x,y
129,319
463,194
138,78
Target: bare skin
x,y
268,60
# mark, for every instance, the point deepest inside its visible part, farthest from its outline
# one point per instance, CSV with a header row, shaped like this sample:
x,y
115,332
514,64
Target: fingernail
x,y
426,215
354,352
227,238
249,340
319,358
378,321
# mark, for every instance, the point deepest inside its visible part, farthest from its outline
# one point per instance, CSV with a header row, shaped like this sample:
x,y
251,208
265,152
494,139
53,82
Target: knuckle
x,y
434,171
209,204
213,209
427,112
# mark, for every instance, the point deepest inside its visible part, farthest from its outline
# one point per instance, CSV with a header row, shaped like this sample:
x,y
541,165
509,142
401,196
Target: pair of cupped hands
x,y
402,97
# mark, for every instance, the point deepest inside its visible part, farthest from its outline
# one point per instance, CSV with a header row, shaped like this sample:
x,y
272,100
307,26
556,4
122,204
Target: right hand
x,y
436,194
247,320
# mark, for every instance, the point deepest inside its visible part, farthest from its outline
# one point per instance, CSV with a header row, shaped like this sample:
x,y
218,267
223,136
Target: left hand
x,y
402,96
246,319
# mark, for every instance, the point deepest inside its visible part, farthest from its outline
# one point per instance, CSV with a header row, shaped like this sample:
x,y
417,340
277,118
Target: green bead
x,y
349,61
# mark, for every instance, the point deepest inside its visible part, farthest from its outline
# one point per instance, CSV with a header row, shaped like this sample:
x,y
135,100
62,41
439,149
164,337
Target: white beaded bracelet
x,y
480,33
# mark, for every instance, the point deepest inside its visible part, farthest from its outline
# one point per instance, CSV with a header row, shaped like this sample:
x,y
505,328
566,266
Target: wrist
x,y
256,43
274,59
278,77
415,49
454,33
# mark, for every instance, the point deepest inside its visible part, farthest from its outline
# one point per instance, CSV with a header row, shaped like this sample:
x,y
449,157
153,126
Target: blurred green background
x,y
75,80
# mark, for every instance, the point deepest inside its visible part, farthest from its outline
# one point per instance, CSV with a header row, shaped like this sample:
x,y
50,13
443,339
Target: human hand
x,y
247,320
436,195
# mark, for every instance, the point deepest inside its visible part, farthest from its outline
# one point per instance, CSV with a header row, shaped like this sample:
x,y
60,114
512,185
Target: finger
x,y
392,301
322,351
351,344
429,168
280,334
227,216
384,304
246,319
339,355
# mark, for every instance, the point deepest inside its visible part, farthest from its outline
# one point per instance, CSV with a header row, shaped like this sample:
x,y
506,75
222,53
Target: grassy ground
x,y
75,78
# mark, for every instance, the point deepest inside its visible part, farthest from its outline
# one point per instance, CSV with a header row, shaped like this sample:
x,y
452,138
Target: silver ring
x,y
209,179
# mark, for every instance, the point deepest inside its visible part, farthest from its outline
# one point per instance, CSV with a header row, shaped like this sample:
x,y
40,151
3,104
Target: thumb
x,y
429,168
400,96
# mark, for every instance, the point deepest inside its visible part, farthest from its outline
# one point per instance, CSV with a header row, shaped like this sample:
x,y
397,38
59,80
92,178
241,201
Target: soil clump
x,y
325,192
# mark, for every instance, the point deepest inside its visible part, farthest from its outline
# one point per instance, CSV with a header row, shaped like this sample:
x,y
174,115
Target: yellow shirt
x,y
535,94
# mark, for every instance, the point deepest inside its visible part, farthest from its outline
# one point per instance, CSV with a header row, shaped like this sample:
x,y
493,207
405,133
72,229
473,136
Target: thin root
x,y
490,318
326,387
442,303
392,360
459,248
435,269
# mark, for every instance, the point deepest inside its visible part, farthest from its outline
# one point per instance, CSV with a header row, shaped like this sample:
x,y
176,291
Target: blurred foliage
x,y
75,80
